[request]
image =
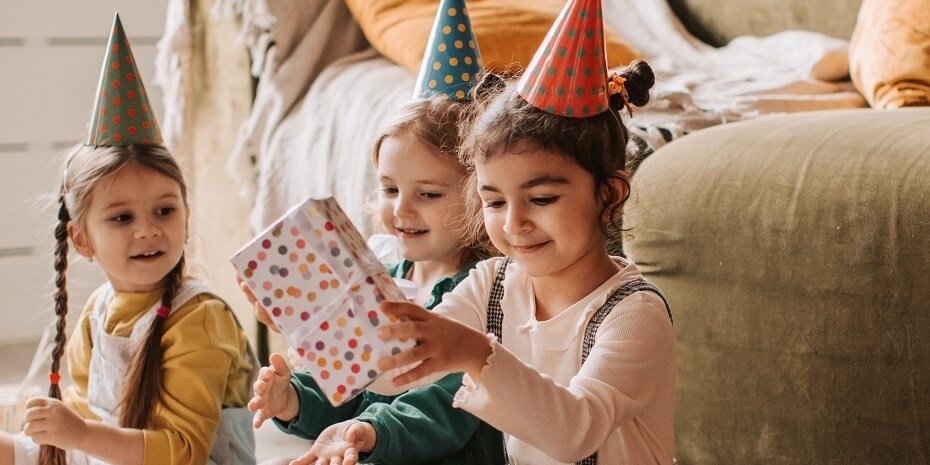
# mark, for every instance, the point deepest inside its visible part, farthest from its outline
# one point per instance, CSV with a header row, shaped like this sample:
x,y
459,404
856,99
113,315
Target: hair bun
x,y
639,79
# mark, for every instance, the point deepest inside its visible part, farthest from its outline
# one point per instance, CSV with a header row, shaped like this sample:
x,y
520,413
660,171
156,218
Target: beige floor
x,y
270,443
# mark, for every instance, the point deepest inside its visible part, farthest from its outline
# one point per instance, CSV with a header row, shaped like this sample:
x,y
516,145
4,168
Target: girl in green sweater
x,y
421,194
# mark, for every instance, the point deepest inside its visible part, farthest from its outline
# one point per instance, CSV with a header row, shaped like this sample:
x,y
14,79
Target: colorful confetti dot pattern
x,y
321,284
122,114
568,74
451,62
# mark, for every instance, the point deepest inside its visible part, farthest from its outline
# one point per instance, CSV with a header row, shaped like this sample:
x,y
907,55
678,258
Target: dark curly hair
x,y
505,122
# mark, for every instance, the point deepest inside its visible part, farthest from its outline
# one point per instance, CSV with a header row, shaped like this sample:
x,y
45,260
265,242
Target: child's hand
x,y
339,444
49,421
274,395
443,345
260,313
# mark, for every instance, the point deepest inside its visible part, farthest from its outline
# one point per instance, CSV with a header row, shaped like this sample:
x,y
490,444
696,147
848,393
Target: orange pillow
x,y
889,53
508,31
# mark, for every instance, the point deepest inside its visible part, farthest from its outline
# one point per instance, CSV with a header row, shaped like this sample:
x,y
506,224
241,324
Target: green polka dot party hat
x,y
451,62
568,74
122,114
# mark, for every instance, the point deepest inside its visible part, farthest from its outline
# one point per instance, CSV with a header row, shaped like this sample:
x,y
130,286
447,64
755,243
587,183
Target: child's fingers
x,y
420,371
353,432
38,401
406,329
258,419
279,364
247,291
350,457
404,310
407,357
254,404
306,459
262,316
31,427
259,387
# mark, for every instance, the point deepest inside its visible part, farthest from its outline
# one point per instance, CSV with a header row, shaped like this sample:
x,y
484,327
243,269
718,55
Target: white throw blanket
x,y
322,93
700,86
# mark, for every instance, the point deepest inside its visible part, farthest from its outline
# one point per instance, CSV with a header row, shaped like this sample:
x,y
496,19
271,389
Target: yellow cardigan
x,y
205,367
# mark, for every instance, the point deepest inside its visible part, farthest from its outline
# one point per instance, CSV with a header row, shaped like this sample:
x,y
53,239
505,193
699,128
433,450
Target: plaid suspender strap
x,y
635,285
495,314
496,317
590,331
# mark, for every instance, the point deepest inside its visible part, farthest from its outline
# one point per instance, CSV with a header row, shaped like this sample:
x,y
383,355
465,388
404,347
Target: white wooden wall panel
x,y
24,197
51,53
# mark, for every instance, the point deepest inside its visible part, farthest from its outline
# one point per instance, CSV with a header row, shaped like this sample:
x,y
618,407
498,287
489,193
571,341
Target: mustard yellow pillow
x,y
508,31
889,53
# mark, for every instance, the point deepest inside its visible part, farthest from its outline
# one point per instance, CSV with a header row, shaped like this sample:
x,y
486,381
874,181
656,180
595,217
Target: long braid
x,y
49,455
144,382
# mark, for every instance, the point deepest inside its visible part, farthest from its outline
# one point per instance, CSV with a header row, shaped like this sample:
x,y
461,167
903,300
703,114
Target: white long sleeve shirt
x,y
534,389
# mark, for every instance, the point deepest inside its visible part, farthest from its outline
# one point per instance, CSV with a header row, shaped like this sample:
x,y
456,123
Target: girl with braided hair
x,y
161,368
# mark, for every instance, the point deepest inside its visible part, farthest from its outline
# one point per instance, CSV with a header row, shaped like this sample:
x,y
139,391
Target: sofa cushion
x,y
508,31
793,252
889,53
703,18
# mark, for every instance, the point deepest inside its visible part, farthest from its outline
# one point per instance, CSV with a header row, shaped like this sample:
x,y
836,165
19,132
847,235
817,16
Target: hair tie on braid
x,y
54,377
163,312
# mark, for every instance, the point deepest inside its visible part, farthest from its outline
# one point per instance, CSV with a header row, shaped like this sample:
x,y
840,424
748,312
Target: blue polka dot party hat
x,y
122,114
451,62
568,74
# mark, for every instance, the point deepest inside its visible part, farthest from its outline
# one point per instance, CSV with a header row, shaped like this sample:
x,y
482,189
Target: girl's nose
x,y
403,207
147,229
516,221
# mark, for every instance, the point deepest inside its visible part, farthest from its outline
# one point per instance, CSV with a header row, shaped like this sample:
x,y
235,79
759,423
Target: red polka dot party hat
x,y
568,73
451,62
122,113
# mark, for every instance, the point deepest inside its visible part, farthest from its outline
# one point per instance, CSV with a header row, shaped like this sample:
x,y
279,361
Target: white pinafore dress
x,y
234,443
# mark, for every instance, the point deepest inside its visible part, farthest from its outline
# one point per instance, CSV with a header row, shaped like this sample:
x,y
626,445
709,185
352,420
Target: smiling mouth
x,y
148,255
411,232
529,248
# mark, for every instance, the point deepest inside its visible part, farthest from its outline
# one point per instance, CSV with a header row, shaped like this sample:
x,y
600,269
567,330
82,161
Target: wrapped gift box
x,y
321,284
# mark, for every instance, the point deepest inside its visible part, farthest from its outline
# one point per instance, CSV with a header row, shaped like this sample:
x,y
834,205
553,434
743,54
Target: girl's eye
x,y
544,200
165,211
389,191
431,195
493,203
123,218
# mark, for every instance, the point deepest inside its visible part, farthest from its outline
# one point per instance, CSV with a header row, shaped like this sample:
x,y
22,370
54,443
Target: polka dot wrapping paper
x,y
321,284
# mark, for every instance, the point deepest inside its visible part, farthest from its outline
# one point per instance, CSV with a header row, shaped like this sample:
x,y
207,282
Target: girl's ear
x,y
79,239
620,183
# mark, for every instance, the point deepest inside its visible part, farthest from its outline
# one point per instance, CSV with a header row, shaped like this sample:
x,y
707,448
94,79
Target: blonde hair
x,y
438,123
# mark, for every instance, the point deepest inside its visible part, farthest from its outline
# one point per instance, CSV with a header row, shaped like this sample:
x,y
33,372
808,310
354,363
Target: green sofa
x,y
795,252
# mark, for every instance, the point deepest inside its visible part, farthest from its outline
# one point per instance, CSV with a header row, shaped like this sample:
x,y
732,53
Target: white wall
x,y
50,57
